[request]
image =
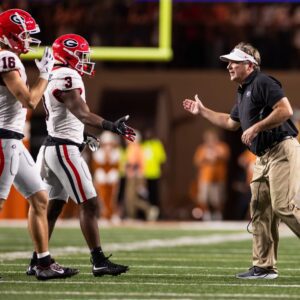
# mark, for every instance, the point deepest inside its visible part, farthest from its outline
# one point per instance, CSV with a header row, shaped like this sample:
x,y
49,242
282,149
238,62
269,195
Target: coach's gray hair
x,y
249,49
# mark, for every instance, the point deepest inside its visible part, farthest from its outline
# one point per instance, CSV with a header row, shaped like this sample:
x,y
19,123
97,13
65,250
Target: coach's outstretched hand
x,y
119,127
193,106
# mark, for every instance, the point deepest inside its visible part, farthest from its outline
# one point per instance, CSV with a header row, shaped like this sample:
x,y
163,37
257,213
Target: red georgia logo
x,y
17,19
70,43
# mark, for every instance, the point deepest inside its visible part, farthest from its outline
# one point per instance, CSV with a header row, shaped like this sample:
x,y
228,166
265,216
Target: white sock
x,y
43,254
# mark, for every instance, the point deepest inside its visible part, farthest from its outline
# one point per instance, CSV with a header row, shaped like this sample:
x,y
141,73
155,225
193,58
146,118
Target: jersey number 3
x,y
68,80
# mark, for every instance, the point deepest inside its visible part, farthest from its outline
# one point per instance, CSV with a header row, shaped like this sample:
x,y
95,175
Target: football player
x,y
62,166
16,164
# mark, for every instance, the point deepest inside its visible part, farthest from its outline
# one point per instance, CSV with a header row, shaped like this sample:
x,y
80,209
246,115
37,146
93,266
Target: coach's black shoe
x,y
257,273
54,271
106,267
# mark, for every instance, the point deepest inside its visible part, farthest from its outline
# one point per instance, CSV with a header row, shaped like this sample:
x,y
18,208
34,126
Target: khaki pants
x,y
275,189
133,201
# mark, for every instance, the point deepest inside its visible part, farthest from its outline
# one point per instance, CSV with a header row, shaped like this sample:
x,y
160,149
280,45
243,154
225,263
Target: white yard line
x,y
161,267
147,244
74,223
209,225
142,245
164,275
240,283
175,295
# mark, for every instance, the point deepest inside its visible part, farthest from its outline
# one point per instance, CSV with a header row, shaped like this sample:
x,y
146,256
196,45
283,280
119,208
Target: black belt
x,y
263,152
9,134
53,141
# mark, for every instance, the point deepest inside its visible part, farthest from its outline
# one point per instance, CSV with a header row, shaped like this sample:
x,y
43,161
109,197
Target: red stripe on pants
x,y
75,172
1,158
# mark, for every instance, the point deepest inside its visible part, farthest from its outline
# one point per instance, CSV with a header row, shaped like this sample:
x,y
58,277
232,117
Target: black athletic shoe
x,y
54,271
106,267
257,273
31,270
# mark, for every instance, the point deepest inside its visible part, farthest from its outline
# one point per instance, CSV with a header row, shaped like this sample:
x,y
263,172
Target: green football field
x,y
167,261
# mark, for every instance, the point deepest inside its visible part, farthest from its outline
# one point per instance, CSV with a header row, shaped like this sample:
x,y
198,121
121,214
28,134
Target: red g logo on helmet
x,y
74,51
70,43
17,19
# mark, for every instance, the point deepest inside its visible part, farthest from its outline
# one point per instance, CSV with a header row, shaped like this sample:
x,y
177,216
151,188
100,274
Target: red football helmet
x,y
16,26
74,51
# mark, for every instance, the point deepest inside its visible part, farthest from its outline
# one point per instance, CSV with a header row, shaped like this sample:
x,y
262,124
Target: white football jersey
x,y
12,113
61,123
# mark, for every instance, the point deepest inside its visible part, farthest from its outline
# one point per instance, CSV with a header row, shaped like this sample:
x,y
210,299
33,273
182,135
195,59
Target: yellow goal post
x,y
161,53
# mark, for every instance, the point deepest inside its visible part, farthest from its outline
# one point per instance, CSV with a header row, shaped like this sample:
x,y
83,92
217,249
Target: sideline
x,y
188,225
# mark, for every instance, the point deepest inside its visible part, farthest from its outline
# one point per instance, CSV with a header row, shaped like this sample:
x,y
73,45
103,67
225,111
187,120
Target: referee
x,y
263,112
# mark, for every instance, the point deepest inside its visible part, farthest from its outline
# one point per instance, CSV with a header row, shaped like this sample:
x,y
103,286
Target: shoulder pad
x,y
63,72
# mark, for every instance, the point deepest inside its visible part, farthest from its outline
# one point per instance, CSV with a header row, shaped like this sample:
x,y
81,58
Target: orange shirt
x,y
134,160
247,160
212,162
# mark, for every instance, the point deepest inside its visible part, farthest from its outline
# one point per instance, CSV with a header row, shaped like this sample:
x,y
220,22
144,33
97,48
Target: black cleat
x,y
31,270
106,267
257,273
54,271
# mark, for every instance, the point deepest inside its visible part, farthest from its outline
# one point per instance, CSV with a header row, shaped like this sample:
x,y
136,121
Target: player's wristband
x,y
108,125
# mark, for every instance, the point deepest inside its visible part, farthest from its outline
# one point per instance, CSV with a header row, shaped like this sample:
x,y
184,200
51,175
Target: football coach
x,y
263,112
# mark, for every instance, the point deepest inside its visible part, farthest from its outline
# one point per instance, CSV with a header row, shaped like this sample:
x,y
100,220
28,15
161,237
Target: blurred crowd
x,y
201,31
127,177
223,173
210,188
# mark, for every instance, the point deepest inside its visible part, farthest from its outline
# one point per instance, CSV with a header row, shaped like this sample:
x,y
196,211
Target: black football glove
x,y
119,127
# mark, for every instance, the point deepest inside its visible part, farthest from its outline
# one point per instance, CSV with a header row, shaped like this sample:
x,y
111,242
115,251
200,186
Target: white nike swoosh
x,y
259,274
100,268
59,271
